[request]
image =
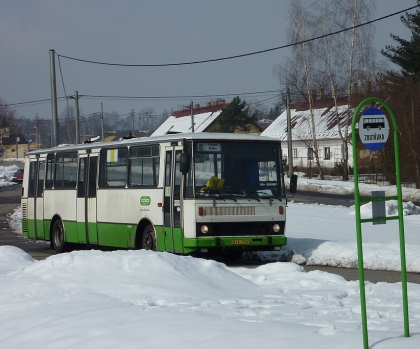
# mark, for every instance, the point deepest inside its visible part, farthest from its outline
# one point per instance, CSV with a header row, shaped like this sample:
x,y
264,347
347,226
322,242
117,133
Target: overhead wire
x,y
62,80
244,54
195,62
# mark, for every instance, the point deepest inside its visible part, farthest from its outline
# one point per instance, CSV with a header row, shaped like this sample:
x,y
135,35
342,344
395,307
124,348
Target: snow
x,y
132,299
6,173
325,118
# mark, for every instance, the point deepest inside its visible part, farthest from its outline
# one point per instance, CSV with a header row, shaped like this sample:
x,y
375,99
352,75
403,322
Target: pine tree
x,y
234,117
406,54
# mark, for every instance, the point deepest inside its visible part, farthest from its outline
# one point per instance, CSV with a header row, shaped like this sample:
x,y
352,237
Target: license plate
x,y
241,242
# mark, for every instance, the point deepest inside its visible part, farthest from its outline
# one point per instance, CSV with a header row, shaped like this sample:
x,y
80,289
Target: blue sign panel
x,y
373,128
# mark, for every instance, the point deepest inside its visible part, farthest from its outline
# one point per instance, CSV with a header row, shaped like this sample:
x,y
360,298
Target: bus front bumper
x,y
256,243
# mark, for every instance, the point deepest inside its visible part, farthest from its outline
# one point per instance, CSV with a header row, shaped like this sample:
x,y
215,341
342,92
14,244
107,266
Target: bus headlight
x,y
276,228
204,229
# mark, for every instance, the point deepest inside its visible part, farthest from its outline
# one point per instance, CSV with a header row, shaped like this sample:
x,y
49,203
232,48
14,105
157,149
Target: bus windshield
x,y
237,169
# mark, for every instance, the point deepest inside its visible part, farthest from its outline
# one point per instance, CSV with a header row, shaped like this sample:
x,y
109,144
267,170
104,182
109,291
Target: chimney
x,y
313,94
208,104
368,86
197,106
321,93
222,101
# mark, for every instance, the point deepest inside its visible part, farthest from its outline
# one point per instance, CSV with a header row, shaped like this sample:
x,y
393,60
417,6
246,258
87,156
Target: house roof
x,y
12,140
180,121
327,122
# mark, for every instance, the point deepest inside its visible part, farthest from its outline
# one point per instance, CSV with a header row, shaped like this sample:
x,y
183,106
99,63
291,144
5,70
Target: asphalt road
x,y
10,200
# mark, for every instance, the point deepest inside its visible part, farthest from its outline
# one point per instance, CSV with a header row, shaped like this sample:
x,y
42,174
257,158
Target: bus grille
x,y
230,211
25,219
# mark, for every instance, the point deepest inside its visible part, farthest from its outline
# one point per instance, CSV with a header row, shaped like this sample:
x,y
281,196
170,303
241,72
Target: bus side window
x,y
50,172
31,184
66,171
41,177
113,168
144,166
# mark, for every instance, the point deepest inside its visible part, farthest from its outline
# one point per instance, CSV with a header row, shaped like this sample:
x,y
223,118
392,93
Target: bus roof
x,y
201,136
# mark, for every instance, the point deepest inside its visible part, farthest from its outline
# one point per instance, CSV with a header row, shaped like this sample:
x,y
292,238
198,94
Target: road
x,y
10,200
323,198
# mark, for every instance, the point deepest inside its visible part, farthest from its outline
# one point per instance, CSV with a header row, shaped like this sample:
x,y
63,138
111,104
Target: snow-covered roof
x,y
180,121
327,121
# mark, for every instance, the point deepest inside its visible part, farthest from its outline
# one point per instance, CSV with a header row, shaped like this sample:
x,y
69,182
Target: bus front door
x,y
86,199
172,201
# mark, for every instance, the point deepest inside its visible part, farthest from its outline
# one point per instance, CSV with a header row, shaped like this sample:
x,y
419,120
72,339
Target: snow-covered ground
x,y
132,299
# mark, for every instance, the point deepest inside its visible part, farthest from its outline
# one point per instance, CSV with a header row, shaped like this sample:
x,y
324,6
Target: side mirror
x,y
184,163
293,184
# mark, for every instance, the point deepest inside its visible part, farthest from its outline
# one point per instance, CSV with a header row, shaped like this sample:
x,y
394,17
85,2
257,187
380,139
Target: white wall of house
x,y
327,133
300,153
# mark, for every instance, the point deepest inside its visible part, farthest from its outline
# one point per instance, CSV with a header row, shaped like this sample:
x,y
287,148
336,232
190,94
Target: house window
x,y
310,154
327,153
294,152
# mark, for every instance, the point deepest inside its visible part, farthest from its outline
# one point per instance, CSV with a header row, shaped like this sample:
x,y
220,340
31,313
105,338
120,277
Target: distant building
x,y
205,120
11,145
328,123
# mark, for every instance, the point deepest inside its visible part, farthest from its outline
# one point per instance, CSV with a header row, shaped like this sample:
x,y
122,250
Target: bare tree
x,y
347,58
67,126
335,63
8,116
301,74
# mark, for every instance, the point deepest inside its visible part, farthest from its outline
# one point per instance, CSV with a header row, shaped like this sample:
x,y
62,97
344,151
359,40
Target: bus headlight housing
x,y
276,228
204,229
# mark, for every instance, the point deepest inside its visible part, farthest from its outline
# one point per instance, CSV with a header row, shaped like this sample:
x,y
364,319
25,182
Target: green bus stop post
x,y
359,222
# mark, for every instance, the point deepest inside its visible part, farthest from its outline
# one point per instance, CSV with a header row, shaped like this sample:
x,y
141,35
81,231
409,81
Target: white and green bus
x,y
198,193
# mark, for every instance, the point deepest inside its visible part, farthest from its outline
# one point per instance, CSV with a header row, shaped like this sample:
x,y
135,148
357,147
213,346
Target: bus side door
x,y
172,201
36,191
86,199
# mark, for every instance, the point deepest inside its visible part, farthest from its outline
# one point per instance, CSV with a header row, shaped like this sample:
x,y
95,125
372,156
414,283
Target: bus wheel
x,y
57,238
148,241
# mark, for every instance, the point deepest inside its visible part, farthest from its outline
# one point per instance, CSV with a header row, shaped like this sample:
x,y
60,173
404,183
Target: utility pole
x,y
36,137
84,128
54,123
17,146
102,121
77,117
289,133
192,117
132,122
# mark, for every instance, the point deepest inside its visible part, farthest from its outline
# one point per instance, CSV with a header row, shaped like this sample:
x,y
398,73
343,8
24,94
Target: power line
x,y
179,97
39,101
244,54
62,80
48,100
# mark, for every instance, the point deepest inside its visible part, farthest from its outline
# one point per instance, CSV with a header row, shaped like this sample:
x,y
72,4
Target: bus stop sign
x,y
373,128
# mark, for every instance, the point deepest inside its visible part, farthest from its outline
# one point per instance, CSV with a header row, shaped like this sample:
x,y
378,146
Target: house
x,y
329,122
205,120
11,145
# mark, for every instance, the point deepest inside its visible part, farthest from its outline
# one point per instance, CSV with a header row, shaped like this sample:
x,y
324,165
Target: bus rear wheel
x,y
57,236
148,242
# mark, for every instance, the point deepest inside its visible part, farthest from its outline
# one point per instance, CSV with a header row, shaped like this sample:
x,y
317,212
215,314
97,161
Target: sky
x,y
150,32
123,299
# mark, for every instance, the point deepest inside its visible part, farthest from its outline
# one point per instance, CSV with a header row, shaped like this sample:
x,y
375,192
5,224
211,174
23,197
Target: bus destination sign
x,y
373,128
